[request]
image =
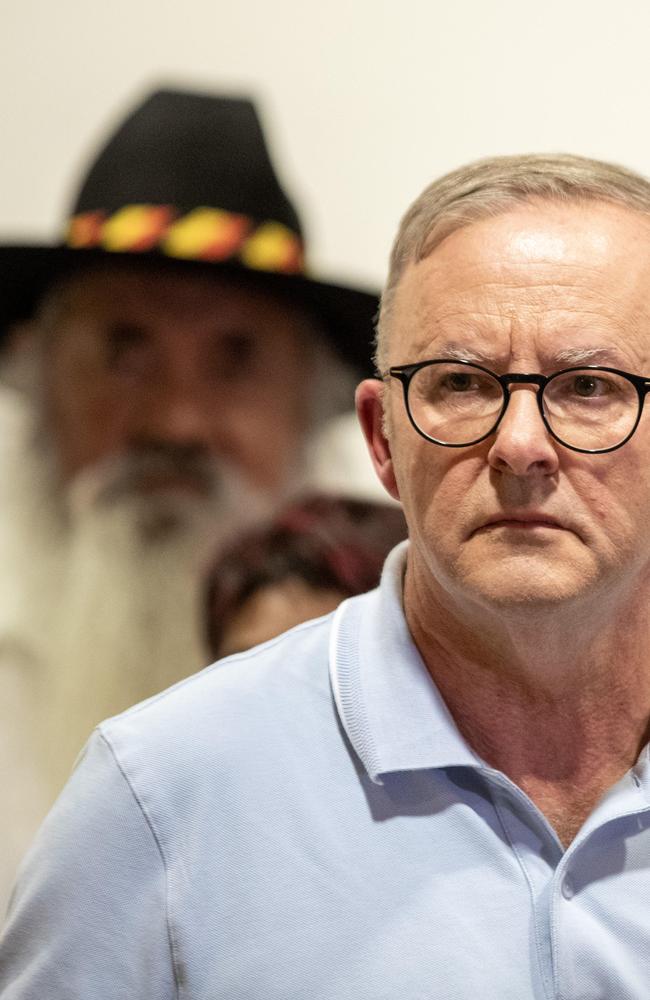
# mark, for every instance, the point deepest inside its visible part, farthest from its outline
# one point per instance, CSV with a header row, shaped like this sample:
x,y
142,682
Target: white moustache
x,y
135,474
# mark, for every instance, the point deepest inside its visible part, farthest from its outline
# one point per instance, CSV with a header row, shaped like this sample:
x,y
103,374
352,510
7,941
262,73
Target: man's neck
x,y
561,708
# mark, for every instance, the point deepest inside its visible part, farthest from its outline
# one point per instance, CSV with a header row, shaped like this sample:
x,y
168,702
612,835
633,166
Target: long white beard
x,y
127,624
100,602
100,607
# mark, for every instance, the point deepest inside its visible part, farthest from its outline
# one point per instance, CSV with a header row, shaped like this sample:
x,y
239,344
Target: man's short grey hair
x,y
492,187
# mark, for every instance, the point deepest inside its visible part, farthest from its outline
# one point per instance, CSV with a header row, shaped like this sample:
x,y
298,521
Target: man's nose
x,y
522,445
177,410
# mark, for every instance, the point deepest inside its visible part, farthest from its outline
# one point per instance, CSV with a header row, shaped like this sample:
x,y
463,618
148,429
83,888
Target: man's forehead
x,y
575,257
156,288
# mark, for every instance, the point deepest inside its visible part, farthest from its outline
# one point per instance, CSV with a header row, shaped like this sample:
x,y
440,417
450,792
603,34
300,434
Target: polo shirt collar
x,y
388,704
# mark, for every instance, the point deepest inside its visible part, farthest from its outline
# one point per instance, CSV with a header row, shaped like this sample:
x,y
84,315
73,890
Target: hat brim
x,y
347,314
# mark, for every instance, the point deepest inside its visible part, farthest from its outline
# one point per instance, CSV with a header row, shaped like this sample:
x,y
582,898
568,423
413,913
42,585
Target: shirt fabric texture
x,y
304,820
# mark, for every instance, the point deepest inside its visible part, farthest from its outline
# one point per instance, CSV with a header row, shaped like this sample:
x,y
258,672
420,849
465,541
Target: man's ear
x,y
370,411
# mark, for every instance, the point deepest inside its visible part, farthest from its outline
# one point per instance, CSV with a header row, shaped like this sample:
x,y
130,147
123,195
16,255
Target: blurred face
x,y
518,520
272,610
175,365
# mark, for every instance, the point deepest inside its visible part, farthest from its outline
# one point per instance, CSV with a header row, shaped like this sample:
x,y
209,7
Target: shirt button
x,y
568,890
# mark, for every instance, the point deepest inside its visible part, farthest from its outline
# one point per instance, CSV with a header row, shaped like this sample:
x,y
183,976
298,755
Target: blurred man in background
x,y
174,363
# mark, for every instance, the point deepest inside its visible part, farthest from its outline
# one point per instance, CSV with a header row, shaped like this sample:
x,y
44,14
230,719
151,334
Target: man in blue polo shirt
x,y
442,790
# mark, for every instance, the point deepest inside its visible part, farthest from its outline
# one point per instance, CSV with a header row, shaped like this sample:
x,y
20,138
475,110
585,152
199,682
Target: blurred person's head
x,y
311,557
176,390
174,342
176,359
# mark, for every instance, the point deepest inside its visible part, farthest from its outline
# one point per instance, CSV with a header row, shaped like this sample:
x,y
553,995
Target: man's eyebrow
x,y
456,352
569,355
586,355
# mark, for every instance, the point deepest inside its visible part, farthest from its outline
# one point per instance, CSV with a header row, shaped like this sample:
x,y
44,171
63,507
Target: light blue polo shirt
x,y
305,821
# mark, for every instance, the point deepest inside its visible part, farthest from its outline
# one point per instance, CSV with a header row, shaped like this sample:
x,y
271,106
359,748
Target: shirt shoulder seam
x,y
149,823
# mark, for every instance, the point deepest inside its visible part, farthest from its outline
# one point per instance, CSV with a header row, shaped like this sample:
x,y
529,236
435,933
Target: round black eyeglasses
x,y
458,403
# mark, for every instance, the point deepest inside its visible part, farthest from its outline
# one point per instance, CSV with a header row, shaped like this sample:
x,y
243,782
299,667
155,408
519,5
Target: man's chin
x,y
529,585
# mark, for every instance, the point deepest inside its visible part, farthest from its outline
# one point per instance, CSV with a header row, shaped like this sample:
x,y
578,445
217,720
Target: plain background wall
x,y
365,101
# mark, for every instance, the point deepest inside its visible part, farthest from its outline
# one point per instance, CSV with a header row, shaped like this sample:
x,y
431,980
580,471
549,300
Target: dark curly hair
x,y
329,543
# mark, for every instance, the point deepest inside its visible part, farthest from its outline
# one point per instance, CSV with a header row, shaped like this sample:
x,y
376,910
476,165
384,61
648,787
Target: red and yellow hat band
x,y
204,234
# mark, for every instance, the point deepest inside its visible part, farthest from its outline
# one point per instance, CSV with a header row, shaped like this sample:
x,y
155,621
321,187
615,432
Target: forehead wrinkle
x,y
477,336
472,302
539,302
458,333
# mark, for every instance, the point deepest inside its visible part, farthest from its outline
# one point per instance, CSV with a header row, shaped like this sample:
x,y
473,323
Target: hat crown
x,y
188,150
186,180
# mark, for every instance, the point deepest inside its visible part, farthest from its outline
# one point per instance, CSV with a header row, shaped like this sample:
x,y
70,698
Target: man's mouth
x,y
521,521
150,475
172,482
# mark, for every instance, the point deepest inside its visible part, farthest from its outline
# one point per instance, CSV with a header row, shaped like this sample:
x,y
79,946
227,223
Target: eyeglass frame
x,y
405,373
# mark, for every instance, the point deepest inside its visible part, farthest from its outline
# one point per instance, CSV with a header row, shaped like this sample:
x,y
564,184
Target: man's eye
x,y
463,382
590,385
458,382
235,355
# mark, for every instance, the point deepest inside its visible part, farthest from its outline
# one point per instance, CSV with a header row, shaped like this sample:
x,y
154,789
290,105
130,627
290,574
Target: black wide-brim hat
x,y
187,181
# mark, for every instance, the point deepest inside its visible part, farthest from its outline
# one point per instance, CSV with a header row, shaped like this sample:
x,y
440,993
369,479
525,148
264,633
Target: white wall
x,y
365,100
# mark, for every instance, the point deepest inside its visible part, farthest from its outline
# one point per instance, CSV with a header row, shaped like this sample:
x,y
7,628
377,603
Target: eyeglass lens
x,y
586,409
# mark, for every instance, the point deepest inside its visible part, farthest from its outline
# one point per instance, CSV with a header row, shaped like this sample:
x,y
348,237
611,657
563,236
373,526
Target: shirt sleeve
x,y
88,918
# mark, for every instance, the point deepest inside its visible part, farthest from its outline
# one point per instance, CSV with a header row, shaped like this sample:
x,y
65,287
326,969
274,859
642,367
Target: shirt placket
x,y
600,899
539,853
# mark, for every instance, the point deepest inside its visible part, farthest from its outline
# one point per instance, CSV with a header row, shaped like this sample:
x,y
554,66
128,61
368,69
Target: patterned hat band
x,y
204,234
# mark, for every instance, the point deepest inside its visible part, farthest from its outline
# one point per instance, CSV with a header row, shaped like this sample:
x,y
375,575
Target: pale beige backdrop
x,y
366,99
